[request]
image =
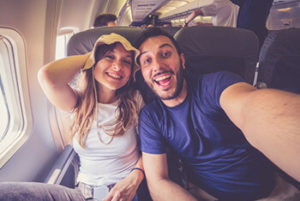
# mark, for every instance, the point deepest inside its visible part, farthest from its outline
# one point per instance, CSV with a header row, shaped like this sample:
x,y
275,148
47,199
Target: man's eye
x,y
146,61
166,54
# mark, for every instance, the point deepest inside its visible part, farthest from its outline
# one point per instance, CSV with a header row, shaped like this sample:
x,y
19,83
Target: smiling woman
x,y
105,107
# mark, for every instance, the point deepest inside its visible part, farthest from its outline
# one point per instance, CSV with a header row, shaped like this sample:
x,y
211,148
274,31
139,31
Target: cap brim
x,y
108,40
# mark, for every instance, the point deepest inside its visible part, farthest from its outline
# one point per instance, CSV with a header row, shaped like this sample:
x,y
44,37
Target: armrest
x,y
61,165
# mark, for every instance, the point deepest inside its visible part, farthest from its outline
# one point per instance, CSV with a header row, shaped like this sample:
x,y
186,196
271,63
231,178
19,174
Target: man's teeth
x,y
162,78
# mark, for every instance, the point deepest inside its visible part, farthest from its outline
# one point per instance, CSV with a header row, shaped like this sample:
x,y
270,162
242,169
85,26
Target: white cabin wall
x,y
77,14
32,161
114,6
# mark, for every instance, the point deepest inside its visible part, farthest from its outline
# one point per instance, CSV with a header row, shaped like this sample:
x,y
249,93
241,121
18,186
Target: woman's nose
x,y
116,66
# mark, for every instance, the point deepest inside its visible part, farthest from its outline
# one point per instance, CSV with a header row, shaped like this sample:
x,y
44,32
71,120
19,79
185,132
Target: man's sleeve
x,y
209,10
150,134
214,84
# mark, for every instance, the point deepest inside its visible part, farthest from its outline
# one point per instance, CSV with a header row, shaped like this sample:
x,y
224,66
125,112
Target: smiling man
x,y
209,121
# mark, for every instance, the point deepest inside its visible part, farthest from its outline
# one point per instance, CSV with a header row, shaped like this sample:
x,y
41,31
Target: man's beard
x,y
179,85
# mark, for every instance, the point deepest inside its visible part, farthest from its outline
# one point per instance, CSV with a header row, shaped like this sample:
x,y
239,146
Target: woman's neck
x,y
106,96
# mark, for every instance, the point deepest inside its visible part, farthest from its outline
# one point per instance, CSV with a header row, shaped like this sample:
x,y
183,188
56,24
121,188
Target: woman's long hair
x,y
85,111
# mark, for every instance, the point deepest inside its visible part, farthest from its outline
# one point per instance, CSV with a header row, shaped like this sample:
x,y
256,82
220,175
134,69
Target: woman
x,y
105,108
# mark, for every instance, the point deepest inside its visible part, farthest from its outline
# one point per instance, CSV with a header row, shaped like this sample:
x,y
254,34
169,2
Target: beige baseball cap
x,y
110,39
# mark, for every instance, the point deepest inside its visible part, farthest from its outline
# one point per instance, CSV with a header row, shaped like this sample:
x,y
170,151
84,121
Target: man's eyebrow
x,y
166,45
163,45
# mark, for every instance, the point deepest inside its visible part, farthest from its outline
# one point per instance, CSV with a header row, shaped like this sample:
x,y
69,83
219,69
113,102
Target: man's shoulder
x,y
154,107
195,79
211,77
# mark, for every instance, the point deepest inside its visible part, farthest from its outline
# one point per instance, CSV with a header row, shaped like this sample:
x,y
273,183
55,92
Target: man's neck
x,y
179,99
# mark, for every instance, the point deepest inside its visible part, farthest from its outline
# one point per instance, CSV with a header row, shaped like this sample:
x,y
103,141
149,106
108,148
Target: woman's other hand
x,y
125,189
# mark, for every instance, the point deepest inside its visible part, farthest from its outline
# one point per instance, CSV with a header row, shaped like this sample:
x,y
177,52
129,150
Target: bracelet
x,y
140,169
185,23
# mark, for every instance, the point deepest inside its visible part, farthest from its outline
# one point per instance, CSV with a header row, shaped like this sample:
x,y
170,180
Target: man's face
x,y
111,24
162,67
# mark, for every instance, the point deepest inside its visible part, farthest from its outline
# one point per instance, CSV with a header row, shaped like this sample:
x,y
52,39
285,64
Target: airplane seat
x,y
171,30
209,49
83,42
64,170
279,60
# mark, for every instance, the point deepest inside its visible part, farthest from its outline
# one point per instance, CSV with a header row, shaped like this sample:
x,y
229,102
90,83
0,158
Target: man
x,y
253,15
202,118
105,20
247,14
223,13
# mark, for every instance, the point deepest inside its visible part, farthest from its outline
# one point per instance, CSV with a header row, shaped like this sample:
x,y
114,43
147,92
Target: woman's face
x,y
114,69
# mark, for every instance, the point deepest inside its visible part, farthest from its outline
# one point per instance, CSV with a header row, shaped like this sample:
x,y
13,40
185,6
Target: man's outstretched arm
x,y
270,120
160,186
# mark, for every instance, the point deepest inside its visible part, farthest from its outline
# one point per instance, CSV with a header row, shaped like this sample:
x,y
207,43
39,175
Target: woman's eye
x,y
109,56
127,62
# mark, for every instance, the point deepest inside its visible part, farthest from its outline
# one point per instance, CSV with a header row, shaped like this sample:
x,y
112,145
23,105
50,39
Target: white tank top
x,y
103,163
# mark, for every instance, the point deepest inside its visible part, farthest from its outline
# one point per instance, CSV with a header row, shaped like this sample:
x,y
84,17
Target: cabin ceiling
x,y
163,8
282,11
142,8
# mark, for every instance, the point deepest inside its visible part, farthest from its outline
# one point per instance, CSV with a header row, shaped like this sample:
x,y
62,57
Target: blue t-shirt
x,y
218,157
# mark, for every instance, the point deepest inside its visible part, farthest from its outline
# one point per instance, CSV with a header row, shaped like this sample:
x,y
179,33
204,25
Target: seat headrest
x,y
83,42
209,49
278,44
280,60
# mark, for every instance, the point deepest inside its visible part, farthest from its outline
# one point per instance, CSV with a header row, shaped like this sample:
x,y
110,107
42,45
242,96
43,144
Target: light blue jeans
x,y
33,191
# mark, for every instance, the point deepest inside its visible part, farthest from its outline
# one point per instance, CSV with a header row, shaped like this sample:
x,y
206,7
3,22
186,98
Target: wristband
x,y
140,169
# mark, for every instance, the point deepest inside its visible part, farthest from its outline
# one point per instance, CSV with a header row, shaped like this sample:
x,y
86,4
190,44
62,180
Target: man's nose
x,y
156,65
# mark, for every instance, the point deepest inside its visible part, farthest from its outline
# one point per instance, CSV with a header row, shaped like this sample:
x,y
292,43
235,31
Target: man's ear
x,y
182,60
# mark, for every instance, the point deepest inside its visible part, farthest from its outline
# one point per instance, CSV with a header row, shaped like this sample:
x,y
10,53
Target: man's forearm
x,y
166,190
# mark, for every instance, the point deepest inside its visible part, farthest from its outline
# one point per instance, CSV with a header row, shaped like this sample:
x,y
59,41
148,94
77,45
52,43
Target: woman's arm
x,y
127,187
54,78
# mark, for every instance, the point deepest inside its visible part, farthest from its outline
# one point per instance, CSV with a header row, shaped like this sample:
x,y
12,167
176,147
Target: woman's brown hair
x,y
85,111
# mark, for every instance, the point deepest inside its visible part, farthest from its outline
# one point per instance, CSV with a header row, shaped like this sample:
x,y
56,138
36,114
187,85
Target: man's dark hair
x,y
152,32
103,19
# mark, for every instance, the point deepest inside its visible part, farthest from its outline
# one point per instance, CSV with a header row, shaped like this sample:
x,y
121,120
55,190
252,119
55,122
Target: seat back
x,y
209,49
279,60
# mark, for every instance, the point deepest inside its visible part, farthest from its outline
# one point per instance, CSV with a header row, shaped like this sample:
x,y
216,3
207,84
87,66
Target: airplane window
x,y
15,117
4,117
61,45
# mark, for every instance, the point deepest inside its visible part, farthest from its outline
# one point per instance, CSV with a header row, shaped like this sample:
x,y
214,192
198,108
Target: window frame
x,y
20,124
